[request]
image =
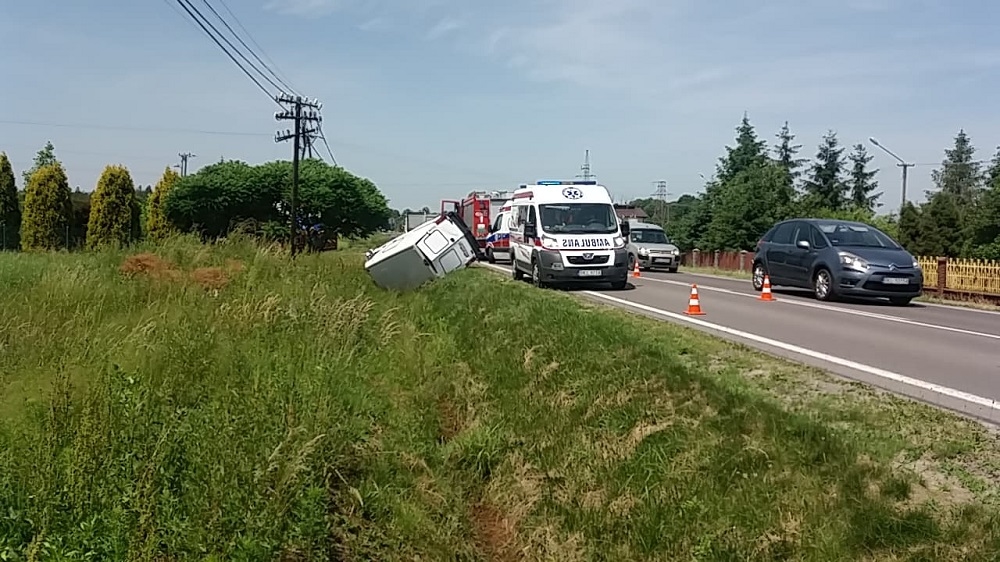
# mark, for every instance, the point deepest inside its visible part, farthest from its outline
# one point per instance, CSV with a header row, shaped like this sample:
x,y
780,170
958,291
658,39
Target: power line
x,y
184,4
136,129
249,50
228,42
322,136
361,147
261,49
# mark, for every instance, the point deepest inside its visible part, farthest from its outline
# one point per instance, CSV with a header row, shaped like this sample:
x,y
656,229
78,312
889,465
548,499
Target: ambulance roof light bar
x,y
566,182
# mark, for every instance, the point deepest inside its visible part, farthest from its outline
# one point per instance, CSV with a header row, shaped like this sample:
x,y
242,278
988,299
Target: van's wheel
x,y
489,255
536,275
515,273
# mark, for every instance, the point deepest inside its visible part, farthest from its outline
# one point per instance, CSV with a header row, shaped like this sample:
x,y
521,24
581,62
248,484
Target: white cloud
x,y
305,8
375,24
443,27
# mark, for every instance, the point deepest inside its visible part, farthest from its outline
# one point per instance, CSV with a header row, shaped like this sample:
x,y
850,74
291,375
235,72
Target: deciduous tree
x,y
10,207
747,206
47,209
114,211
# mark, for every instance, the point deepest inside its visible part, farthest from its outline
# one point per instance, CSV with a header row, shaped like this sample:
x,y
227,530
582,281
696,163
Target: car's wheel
x,y
900,301
536,274
515,273
823,285
758,276
672,270
631,262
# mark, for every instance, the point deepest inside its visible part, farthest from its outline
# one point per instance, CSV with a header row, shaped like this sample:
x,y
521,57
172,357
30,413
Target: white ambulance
x,y
567,232
498,242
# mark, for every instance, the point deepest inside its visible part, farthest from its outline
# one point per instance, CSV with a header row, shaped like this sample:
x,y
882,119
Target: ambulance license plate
x,y
590,273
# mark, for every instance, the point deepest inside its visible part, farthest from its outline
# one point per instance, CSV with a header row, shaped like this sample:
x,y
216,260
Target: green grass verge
x,y
230,405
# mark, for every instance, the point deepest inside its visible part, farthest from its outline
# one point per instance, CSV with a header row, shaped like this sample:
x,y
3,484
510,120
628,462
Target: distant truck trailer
x,y
413,220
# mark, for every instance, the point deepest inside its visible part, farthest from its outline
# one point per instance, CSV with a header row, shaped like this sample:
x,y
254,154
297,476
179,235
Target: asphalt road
x,y
947,356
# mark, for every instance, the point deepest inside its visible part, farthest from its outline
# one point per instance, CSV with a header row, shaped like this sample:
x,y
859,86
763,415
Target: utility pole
x,y
586,168
303,111
661,195
184,162
902,164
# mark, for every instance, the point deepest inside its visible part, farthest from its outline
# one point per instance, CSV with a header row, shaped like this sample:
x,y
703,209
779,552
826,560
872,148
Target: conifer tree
x,y
157,226
10,208
44,157
114,211
861,183
749,152
786,152
960,175
47,209
825,188
786,157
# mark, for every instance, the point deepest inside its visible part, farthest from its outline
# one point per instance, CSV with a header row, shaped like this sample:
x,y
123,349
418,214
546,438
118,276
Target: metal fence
x,y
942,276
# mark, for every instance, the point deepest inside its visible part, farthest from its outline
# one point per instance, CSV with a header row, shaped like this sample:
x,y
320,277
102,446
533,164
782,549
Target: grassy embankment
x,y
223,404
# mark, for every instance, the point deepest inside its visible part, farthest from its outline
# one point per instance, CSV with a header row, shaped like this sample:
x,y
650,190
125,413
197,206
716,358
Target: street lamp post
x,y
902,164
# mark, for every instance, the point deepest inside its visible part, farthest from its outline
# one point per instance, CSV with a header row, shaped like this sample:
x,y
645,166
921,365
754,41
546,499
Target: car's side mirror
x,y
804,244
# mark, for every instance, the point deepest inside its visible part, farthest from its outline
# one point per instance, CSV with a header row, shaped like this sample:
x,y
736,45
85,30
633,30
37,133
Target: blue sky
x,y
434,98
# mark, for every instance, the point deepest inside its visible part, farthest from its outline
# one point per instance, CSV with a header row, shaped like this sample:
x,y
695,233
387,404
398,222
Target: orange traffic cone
x,y
635,270
765,292
694,306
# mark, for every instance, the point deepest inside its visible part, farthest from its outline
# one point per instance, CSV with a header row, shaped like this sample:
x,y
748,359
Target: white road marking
x,y
867,369
818,355
851,311
922,303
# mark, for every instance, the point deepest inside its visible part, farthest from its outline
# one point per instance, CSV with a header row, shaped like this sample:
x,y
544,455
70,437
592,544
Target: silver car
x,y
648,244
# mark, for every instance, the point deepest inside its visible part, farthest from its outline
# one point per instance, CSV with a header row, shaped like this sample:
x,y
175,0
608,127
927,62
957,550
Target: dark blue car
x,y
835,258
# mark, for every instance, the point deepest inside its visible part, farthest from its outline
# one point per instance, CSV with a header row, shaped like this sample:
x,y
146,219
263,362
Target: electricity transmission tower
x,y
662,206
585,169
184,162
304,112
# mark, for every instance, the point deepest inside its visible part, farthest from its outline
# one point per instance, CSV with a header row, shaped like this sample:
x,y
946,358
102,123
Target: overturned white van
x,y
429,251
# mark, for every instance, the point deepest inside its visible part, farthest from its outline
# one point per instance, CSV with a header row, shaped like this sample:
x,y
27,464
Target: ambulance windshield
x,y
579,218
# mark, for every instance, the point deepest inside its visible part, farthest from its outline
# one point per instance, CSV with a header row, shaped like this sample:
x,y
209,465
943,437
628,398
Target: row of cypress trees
x,y
44,220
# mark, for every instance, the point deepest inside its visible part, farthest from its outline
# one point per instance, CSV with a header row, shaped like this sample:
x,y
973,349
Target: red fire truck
x,y
477,210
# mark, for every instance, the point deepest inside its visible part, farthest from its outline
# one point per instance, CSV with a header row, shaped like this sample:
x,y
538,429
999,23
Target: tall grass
x,y
225,403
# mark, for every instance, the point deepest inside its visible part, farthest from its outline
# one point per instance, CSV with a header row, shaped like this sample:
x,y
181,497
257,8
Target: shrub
x,y
10,208
157,225
47,209
114,210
